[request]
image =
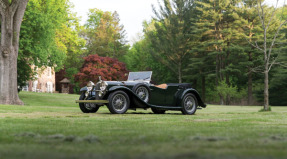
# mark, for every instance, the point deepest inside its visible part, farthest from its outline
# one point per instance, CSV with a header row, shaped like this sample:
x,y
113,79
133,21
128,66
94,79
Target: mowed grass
x,y
52,126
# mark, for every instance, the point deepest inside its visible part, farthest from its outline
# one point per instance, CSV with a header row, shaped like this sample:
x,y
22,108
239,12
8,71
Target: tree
x,y
215,53
278,82
140,58
74,45
251,27
170,38
106,67
43,37
278,85
12,12
105,36
268,18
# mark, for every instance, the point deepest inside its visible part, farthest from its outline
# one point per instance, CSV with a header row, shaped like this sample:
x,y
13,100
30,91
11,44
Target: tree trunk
x,y
250,82
179,73
11,19
266,89
228,100
203,88
221,100
250,91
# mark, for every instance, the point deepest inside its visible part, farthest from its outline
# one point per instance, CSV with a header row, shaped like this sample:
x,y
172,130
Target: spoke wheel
x,y
118,102
87,107
143,93
189,104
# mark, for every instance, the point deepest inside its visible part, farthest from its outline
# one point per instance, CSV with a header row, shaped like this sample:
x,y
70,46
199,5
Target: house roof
x,y
65,80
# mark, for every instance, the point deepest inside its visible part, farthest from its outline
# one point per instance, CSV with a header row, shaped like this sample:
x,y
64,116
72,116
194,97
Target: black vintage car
x,y
137,92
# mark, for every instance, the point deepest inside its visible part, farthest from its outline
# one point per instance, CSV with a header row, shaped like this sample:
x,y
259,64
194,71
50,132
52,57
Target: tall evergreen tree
x,y
217,32
251,27
170,38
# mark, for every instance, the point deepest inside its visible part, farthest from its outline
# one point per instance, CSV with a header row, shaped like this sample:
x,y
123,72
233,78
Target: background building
x,y
44,81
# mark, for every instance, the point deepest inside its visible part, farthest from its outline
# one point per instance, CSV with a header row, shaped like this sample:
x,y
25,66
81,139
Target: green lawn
x,y
52,126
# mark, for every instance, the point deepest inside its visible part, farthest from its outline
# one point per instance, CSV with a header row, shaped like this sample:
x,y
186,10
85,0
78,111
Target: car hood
x,y
123,83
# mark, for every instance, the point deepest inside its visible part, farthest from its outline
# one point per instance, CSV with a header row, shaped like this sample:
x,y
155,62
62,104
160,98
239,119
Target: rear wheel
x,y
88,107
158,111
189,104
119,102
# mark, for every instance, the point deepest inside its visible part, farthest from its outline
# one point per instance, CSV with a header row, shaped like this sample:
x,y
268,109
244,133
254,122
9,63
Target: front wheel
x,y
189,104
88,107
119,102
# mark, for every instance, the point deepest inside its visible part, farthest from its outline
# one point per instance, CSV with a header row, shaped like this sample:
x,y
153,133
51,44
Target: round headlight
x,y
90,84
103,86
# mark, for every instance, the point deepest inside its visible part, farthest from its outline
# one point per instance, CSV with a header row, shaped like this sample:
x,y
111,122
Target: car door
x,y
170,95
157,96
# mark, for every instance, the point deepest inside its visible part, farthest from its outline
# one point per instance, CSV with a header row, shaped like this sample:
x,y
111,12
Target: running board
x,y
92,101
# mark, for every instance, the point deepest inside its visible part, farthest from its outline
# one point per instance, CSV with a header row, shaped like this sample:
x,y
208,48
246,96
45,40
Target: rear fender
x,y
193,91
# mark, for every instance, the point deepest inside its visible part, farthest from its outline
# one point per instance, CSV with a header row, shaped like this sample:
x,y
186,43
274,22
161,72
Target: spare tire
x,y
143,92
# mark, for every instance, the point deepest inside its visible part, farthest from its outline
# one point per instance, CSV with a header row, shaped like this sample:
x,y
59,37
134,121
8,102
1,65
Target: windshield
x,y
140,76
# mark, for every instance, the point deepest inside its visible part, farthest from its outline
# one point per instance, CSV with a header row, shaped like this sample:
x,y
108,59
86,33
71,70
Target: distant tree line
x,y
213,44
51,35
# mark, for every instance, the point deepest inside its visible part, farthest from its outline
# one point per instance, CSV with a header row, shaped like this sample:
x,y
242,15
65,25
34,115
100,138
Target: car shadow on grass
x,y
143,113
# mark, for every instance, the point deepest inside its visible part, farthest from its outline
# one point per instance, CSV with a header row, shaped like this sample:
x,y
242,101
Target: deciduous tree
x,y
12,12
271,35
43,37
106,67
105,35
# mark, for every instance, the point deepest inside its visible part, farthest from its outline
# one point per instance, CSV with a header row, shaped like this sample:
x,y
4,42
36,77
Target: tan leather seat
x,y
162,86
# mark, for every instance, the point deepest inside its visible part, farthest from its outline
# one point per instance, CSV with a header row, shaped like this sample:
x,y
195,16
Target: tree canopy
x,y
222,47
108,68
213,45
105,35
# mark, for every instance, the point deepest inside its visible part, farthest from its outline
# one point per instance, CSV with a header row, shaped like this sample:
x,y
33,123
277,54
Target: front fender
x,y
193,91
130,93
114,88
84,89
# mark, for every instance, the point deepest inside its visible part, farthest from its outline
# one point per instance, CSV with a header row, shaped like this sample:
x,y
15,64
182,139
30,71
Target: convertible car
x,y
137,92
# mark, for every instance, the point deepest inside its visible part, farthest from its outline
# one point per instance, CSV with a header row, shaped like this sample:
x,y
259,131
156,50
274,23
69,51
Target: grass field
x,y
52,126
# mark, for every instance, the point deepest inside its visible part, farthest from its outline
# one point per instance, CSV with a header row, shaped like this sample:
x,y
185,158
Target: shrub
x,y
94,66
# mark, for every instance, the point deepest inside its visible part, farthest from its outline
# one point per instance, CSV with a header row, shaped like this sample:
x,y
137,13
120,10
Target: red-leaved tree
x,y
109,69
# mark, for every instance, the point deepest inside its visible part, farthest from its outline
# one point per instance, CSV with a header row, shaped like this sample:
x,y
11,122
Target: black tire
x,y
189,104
119,102
87,107
158,111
